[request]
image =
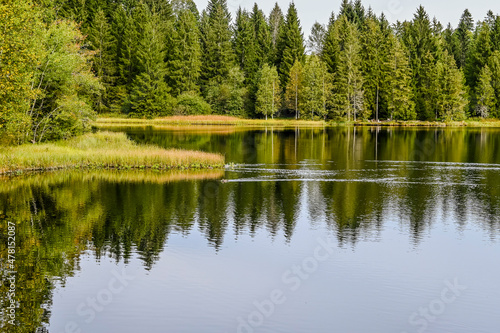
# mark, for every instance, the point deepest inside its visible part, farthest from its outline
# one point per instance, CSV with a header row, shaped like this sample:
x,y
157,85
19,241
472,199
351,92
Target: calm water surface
x,y
311,230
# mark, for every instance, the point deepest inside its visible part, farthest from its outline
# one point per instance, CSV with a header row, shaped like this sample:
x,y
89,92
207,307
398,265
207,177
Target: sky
x,y
320,10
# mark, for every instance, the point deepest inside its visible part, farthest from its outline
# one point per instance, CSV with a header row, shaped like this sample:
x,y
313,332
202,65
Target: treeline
x,y
158,57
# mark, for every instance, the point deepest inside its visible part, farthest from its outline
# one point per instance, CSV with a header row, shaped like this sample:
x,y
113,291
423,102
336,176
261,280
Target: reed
x,y
102,150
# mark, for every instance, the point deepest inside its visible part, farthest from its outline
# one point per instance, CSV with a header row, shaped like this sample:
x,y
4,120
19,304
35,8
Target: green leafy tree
x,y
20,26
293,91
228,97
316,39
317,86
64,85
485,94
494,65
269,92
452,98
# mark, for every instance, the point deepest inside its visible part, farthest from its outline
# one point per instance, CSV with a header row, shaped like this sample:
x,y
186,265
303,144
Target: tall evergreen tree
x,y
316,39
262,36
291,44
464,37
400,95
276,23
184,54
218,56
103,42
451,93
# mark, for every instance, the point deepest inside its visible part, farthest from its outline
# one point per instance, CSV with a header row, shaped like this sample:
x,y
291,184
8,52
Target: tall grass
x,y
208,120
102,150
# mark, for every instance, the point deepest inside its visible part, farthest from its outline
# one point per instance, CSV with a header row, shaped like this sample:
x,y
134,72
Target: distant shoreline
x,y
234,121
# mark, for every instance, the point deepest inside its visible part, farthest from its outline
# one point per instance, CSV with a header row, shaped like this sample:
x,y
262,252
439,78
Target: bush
x,y
190,103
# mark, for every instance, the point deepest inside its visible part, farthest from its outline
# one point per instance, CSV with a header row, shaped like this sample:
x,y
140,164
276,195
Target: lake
x,y
306,230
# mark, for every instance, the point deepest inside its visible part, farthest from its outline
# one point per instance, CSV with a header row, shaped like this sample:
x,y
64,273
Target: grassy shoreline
x,y
102,150
234,121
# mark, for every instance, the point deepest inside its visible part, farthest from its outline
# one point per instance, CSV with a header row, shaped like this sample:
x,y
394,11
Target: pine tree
x,y
316,39
464,37
217,56
276,23
150,94
245,47
374,65
268,93
331,47
291,44
184,54
400,95
293,91
262,36
103,42
451,98
485,94
316,87
479,54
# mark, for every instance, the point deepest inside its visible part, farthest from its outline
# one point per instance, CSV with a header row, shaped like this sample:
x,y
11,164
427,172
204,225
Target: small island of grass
x,y
102,150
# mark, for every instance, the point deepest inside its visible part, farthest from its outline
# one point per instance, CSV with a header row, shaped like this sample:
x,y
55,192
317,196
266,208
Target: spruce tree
x,y
217,52
276,23
464,37
268,92
262,36
184,54
291,44
451,93
494,65
331,47
399,91
316,39
103,42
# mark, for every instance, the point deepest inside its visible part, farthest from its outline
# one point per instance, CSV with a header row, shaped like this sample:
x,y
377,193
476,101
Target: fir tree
x,y
451,93
316,39
218,56
262,36
400,96
103,42
276,23
184,55
464,37
291,44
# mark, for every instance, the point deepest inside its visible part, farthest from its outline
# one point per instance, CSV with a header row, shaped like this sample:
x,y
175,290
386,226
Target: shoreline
x,y
240,122
102,151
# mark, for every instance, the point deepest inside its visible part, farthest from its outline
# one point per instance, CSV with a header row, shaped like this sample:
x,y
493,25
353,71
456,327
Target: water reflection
x,y
353,182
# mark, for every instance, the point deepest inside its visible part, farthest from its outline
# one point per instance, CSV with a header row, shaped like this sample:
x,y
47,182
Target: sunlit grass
x,y
208,120
102,150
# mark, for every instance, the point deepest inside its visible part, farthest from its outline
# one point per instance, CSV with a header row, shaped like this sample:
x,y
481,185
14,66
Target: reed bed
x,y
102,150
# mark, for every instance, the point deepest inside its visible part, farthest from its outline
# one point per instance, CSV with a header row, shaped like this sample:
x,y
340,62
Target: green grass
x,y
102,150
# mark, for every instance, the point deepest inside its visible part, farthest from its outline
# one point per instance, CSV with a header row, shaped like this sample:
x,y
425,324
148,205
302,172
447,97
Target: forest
x,y
62,62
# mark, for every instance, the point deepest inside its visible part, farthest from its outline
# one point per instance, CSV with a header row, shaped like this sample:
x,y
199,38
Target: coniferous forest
x,y
64,61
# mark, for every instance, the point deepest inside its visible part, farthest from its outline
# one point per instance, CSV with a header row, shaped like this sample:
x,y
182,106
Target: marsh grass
x,y
208,120
102,150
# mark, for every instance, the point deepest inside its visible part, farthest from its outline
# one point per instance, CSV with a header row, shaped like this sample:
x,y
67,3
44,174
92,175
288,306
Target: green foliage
x,y
291,44
190,103
228,97
184,54
317,87
64,85
268,93
485,94
294,89
20,28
